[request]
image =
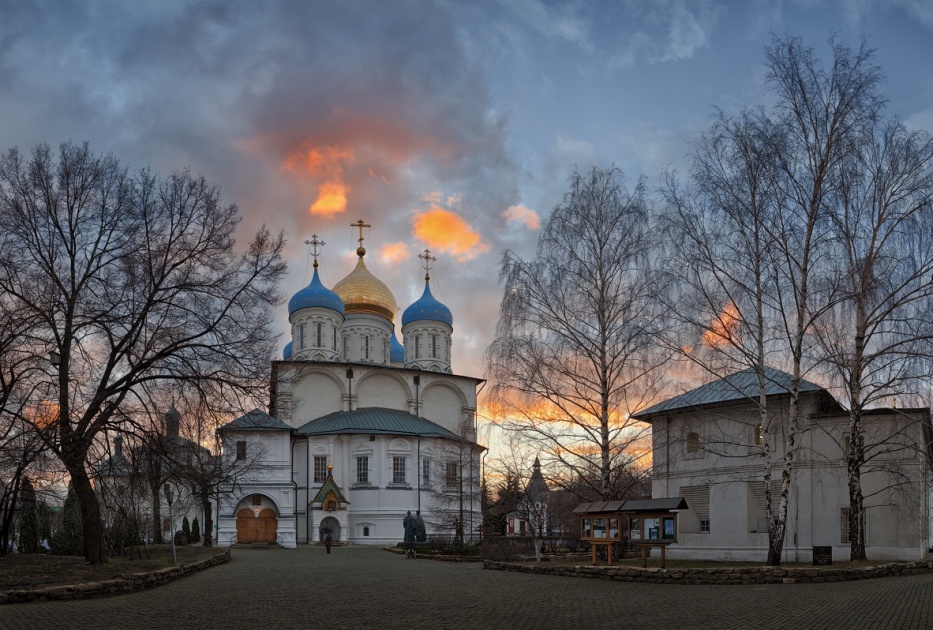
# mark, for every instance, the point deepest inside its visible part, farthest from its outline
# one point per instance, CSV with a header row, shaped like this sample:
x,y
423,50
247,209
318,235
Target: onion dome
x,y
287,352
315,295
396,350
362,292
427,309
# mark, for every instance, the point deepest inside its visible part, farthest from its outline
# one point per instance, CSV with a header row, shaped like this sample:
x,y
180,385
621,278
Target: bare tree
x,y
134,281
877,336
574,352
770,177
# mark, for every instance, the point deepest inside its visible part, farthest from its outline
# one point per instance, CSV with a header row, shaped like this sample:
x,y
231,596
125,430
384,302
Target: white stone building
x,y
707,448
361,428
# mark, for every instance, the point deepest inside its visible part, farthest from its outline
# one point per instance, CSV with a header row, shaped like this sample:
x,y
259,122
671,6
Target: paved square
x,y
364,587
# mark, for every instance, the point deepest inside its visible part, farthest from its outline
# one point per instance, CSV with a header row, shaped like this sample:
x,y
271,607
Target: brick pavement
x,y
363,587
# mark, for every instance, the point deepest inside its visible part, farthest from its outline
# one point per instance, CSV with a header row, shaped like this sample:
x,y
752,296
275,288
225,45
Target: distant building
x,y
707,448
532,513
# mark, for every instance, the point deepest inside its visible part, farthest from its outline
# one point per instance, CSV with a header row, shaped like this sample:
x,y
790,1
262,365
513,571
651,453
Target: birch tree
x,y
574,352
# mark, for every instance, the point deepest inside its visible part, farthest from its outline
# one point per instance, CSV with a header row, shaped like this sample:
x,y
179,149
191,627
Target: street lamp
x,y
170,496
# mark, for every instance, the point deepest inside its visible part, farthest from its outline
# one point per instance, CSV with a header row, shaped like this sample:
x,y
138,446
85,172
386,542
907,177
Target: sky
x,y
447,125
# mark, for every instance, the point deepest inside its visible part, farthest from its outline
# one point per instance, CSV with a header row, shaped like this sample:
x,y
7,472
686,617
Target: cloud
x,y
447,232
521,214
394,253
689,29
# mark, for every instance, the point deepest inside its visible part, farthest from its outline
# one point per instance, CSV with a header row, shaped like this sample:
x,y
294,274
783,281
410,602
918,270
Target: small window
x,y
319,335
704,526
257,500
366,347
301,337
847,444
241,450
693,442
759,435
452,478
365,531
362,469
320,468
845,530
433,346
417,346
398,470
346,345
335,339
425,472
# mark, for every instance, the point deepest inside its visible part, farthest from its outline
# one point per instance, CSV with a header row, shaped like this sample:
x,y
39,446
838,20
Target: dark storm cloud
x,y
239,90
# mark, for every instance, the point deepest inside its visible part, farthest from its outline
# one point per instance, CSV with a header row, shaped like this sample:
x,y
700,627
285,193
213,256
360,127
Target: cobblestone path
x,y
361,587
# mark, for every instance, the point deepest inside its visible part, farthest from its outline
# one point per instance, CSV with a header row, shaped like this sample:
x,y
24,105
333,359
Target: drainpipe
x,y
295,488
667,459
308,489
418,472
349,389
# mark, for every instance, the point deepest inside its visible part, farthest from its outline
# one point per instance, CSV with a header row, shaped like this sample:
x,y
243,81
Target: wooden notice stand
x,y
648,522
646,550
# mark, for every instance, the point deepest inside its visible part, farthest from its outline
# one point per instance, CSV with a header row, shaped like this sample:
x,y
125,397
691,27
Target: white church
x,y
361,428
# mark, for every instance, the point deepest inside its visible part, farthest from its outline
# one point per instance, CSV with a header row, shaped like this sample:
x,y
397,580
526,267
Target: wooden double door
x,y
251,528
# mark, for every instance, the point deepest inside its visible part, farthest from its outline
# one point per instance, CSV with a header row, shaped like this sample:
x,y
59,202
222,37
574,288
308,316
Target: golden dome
x,y
362,292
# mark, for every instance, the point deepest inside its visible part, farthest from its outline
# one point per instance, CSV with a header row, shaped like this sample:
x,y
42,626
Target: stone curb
x,y
734,575
439,558
123,584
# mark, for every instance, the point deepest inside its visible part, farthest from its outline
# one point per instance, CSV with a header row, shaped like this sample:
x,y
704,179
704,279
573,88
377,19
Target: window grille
x,y
241,450
320,468
362,469
398,470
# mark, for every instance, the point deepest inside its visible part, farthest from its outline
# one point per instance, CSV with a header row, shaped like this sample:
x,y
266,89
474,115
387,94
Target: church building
x,y
362,427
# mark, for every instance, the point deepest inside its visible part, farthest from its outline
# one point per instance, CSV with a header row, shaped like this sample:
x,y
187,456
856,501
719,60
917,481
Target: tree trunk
x,y
95,549
208,519
156,515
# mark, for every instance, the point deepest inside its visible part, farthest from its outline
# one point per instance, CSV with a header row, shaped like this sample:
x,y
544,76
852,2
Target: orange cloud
x,y
331,199
723,328
394,253
324,162
521,214
446,231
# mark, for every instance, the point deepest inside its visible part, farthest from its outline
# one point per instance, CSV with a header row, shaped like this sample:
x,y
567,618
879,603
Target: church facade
x,y
361,427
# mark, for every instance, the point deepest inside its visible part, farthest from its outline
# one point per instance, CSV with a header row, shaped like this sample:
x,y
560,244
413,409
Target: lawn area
x,y
26,571
634,560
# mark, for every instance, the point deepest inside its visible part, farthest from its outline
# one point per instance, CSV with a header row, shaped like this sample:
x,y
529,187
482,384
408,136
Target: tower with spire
x,y
316,315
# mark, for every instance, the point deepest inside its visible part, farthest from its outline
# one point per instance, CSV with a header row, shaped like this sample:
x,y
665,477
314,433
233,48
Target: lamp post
x,y
170,496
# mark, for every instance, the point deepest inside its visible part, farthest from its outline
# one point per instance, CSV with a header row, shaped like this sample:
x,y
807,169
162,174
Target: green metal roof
x,y
735,387
256,420
375,420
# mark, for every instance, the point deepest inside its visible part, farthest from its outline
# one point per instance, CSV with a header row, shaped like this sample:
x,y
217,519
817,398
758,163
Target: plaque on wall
x,y
822,556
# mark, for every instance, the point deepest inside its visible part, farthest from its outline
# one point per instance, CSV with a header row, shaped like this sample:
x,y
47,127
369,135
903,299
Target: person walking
x,y
327,541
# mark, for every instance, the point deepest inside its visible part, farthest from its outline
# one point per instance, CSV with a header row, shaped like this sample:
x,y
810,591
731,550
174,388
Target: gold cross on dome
x,y
427,262
315,245
360,225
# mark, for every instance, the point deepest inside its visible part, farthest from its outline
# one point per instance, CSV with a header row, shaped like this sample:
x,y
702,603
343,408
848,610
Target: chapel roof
x,y
375,420
735,387
255,420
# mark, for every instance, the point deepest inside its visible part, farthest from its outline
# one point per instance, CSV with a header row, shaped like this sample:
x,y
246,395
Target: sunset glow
x,y
392,253
446,231
331,199
521,214
723,328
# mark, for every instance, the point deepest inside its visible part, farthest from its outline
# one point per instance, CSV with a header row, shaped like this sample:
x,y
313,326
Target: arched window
x,y
693,442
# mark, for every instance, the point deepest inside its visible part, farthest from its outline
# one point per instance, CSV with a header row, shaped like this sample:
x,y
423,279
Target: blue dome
x,y
315,295
287,352
396,350
427,309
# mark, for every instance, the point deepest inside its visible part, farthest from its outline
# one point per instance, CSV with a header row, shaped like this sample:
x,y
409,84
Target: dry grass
x,y
634,560
26,571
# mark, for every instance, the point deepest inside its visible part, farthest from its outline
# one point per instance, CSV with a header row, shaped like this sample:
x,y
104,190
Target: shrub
x,y
186,528
69,539
180,538
195,530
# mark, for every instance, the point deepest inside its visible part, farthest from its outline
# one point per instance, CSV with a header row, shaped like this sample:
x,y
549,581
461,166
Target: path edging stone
x,y
724,575
127,583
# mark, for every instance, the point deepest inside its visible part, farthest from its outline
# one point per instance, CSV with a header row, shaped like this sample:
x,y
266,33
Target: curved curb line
x,y
128,583
734,575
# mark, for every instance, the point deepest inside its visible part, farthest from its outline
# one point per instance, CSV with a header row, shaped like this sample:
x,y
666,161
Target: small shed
x,y
649,523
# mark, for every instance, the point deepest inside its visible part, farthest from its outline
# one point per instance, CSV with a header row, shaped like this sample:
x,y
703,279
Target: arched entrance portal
x,y
331,526
256,524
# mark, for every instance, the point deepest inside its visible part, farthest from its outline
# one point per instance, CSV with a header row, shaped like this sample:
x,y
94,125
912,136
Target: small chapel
x,y
366,422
